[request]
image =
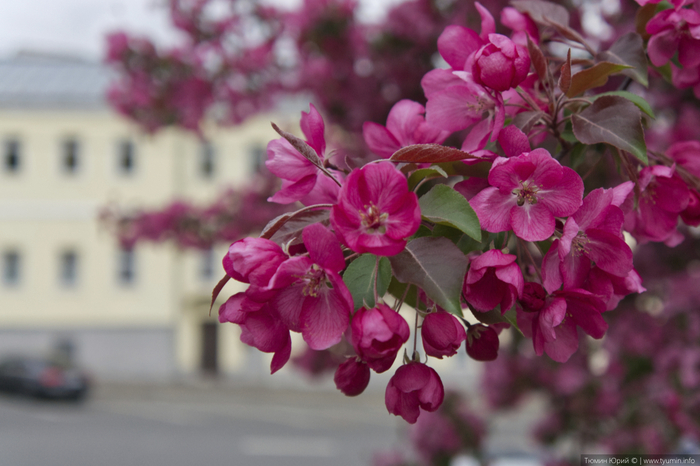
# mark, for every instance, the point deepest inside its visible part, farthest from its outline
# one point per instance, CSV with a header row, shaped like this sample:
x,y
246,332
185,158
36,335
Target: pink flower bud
x,y
691,214
482,343
253,260
500,64
442,334
533,297
352,377
412,387
377,336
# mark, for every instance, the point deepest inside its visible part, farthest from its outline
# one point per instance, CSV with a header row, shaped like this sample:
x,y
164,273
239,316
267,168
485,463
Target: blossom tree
x,y
504,200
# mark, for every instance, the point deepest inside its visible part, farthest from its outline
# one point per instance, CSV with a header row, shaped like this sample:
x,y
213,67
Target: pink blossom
x,y
493,278
611,288
500,64
664,195
299,176
442,334
352,377
482,343
414,386
376,212
261,329
311,297
522,26
253,260
592,234
405,126
526,193
377,336
674,30
552,323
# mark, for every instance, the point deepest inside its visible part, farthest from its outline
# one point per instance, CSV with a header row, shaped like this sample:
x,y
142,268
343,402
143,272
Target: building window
x,y
68,268
126,264
206,160
12,157
257,156
126,157
207,261
70,157
11,268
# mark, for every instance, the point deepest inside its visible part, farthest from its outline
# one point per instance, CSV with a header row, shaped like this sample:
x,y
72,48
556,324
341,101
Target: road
x,y
208,425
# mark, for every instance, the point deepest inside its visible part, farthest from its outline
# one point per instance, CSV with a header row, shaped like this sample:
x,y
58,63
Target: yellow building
x,y
64,155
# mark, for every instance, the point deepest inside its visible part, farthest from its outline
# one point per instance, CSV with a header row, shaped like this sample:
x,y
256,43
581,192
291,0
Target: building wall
x,y
153,323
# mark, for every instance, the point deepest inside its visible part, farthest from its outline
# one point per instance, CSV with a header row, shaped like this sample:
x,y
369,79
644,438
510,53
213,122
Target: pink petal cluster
x,y
552,320
527,192
493,278
592,234
413,387
311,297
301,179
664,195
377,336
405,126
376,212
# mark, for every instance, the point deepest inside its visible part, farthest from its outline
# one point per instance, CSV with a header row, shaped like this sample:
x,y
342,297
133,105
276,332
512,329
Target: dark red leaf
x,y
539,62
301,146
217,289
612,120
629,50
595,76
429,153
287,226
565,75
540,11
525,121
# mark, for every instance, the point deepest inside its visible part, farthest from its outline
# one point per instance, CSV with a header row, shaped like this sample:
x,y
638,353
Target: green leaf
x,y
419,175
446,206
397,290
634,98
629,50
595,76
435,265
510,317
422,231
359,278
577,155
612,120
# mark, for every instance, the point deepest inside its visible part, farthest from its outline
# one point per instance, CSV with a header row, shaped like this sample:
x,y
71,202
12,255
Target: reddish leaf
x,y
612,120
629,50
644,14
217,289
565,76
288,226
429,153
539,62
435,265
525,121
540,11
565,31
595,76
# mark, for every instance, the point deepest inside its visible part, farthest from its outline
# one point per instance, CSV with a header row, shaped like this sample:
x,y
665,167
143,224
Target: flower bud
x,y
482,343
500,64
533,297
377,336
352,377
442,334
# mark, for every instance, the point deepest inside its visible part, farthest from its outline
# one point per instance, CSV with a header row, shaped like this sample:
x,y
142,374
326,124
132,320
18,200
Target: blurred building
x,y
64,281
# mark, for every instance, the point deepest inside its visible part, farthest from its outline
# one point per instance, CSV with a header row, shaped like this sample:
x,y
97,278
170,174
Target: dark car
x,y
43,378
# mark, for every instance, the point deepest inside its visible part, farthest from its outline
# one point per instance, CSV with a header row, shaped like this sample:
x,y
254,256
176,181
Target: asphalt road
x,y
215,424
188,426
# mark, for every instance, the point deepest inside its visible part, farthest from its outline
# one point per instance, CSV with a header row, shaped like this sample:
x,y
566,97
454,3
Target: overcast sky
x,y
78,26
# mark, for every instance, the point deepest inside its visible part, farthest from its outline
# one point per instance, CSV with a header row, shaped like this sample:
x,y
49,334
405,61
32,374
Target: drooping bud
x,y
413,386
442,334
352,377
482,343
377,336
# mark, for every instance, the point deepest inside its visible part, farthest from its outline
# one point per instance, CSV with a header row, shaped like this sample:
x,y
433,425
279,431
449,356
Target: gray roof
x,y
33,80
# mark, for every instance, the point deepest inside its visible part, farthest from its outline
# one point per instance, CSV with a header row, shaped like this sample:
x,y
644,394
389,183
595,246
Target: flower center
x,y
315,278
373,221
526,193
579,245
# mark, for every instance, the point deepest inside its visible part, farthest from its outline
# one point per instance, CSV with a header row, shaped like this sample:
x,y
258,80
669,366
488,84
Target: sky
x,y
78,27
